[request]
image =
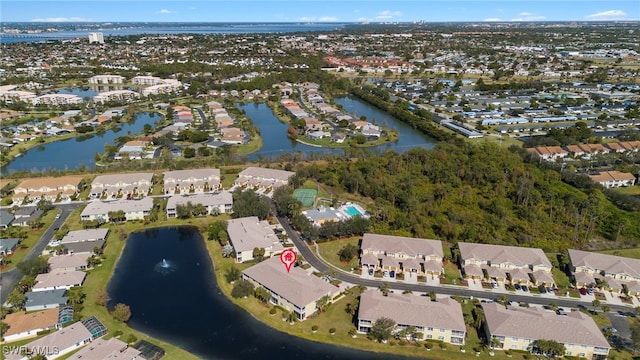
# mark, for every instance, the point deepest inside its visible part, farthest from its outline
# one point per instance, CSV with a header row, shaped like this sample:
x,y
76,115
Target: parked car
x,y
590,291
524,288
517,286
583,291
542,289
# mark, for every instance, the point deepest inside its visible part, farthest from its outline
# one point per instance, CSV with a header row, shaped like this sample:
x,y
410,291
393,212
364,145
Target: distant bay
x,y
72,31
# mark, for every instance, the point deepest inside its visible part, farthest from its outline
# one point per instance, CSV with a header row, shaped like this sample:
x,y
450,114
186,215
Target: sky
x,y
316,11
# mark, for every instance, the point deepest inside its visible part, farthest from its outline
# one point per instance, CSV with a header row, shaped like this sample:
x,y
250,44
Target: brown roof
x,y
20,322
49,182
409,309
611,176
536,323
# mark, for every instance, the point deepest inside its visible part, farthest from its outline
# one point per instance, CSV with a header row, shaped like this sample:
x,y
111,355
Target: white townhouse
x,y
114,186
518,265
397,254
133,209
59,280
619,273
263,178
191,181
54,189
220,203
248,233
438,320
518,328
57,344
296,290
115,95
614,179
107,79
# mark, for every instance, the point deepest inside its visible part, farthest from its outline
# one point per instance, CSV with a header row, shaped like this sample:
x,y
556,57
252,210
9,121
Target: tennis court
x,y
305,196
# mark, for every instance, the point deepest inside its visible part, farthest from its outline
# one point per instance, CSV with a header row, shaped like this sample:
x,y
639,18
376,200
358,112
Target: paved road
x,y
321,266
8,279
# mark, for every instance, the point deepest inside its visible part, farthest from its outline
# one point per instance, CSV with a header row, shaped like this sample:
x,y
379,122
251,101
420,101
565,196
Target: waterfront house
x,y
59,280
438,320
221,203
22,325
59,343
296,290
191,181
519,265
107,349
68,262
54,189
518,328
249,233
394,255
40,300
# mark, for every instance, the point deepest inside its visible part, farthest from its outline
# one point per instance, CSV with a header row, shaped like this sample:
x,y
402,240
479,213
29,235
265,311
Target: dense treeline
x,y
478,193
400,110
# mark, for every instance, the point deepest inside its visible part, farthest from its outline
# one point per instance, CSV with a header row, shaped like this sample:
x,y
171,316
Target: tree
x,y
550,348
242,288
17,299
101,297
227,250
121,312
233,274
189,152
382,329
249,203
262,294
258,254
323,303
348,252
596,303
34,267
384,288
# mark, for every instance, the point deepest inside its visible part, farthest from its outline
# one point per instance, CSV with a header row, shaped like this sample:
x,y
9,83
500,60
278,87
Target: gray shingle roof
x,y
400,244
500,254
248,233
297,286
608,263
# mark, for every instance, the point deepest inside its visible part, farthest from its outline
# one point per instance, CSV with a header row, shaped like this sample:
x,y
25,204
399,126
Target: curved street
x,y
310,256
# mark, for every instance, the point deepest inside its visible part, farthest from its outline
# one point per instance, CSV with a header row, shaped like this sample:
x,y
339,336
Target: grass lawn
x,y
630,253
452,273
33,235
630,190
329,252
561,279
322,193
252,146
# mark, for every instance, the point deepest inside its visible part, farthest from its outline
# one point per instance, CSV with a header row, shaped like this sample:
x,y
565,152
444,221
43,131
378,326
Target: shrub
x,y
273,311
392,343
402,342
121,312
314,328
332,331
428,345
443,346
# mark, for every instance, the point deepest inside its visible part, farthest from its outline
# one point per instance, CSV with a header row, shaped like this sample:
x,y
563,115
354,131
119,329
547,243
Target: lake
x,y
274,132
77,151
166,277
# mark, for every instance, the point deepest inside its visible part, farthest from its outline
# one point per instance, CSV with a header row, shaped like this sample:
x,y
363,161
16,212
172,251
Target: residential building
x,y
6,219
85,235
613,179
246,234
107,79
617,273
40,300
263,178
116,95
7,246
518,328
96,37
107,350
518,265
58,343
22,325
59,280
220,203
549,152
438,320
296,290
133,209
114,186
323,215
69,262
25,215
54,189
191,181
231,135
394,255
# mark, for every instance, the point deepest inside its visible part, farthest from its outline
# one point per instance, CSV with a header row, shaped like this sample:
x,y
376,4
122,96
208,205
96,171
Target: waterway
x,y
274,132
75,152
183,305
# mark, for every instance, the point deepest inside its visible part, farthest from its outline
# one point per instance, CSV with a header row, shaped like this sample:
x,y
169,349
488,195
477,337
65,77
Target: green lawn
x,y
631,190
630,253
561,279
252,146
329,252
452,273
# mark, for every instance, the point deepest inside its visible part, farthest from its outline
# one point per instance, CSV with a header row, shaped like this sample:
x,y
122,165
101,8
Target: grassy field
x,y
630,253
329,252
630,190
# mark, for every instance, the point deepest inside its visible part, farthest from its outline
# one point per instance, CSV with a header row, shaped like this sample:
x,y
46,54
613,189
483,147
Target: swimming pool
x,y
352,211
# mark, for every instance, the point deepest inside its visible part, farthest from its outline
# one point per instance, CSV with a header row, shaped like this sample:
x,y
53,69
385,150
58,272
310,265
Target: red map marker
x,y
288,258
